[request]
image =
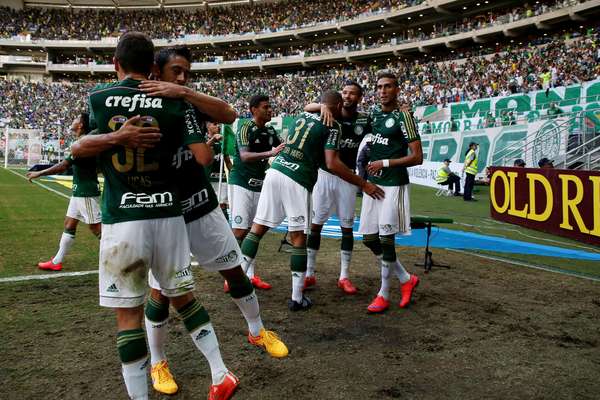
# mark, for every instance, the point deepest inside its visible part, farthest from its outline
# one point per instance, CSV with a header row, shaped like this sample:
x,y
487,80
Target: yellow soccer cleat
x,y
269,341
162,379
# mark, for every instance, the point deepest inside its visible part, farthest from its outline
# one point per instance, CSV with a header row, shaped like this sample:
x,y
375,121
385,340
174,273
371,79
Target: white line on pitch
x,y
46,276
41,184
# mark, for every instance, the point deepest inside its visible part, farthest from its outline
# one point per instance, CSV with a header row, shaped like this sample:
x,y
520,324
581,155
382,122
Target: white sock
x,y
251,266
251,311
66,241
384,291
311,261
157,337
401,272
345,258
205,339
134,375
297,285
246,264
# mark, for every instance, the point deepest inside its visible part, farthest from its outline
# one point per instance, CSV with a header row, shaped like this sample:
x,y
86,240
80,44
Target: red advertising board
x,y
562,202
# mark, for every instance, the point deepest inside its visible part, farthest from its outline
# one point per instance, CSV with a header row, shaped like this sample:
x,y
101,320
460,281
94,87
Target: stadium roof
x,y
99,4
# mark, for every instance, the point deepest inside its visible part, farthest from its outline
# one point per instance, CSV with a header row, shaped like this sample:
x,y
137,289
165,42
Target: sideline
x,y
46,276
40,184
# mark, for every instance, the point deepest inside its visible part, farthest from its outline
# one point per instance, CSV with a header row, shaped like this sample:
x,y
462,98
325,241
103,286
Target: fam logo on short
x,y
238,219
300,219
386,228
230,257
143,200
390,122
112,288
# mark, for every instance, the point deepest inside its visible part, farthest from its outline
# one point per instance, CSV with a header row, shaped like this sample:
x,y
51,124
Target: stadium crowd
x,y
61,24
509,70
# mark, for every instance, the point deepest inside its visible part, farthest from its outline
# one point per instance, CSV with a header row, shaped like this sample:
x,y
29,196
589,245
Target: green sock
x,y
250,245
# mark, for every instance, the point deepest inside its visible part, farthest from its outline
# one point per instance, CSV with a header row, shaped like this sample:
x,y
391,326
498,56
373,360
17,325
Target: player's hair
x,y
135,53
331,97
386,73
84,119
355,84
164,55
256,100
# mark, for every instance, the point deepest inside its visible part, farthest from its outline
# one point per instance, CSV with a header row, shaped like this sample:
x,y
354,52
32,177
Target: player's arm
x,y
129,135
326,115
337,167
53,170
243,141
227,161
216,109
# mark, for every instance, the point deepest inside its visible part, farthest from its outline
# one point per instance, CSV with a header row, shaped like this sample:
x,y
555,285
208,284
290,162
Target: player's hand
x,y
32,175
327,116
133,136
374,167
373,190
163,89
277,150
215,138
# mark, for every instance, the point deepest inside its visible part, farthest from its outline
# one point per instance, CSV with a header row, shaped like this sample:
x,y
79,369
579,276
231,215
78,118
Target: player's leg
x,y
157,329
313,244
125,251
322,207
298,302
170,267
66,242
345,200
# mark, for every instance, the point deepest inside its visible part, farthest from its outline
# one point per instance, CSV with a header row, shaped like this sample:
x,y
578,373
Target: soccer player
x,y
394,134
143,226
331,193
288,185
84,204
214,170
211,239
255,144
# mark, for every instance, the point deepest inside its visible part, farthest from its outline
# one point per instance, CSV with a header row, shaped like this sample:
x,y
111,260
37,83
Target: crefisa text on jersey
x,y
133,102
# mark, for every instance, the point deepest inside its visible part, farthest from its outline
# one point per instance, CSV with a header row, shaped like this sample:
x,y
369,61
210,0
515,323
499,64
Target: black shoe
x,y
458,194
470,199
303,305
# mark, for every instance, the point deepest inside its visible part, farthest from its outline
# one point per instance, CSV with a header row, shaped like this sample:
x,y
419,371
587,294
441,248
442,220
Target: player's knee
x,y
240,286
192,313
388,248
157,307
314,240
373,243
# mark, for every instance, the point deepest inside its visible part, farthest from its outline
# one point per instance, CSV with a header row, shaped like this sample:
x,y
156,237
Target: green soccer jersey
x,y
353,130
214,169
139,183
250,137
304,151
197,195
85,176
392,132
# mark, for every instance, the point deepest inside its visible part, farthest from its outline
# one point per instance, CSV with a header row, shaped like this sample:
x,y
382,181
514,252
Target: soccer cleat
x,y
302,305
406,289
310,281
347,286
269,341
50,266
162,379
226,286
225,389
379,305
259,283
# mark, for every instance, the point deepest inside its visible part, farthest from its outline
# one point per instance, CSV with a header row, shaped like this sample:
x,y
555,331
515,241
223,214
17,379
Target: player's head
x,y
260,107
334,101
352,94
134,55
81,125
387,87
213,128
173,64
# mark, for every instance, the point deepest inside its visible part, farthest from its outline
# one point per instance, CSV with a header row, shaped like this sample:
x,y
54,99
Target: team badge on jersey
x,y
389,122
358,129
238,219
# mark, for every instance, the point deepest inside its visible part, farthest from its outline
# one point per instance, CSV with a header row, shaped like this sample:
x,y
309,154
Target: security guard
x,y
470,168
446,177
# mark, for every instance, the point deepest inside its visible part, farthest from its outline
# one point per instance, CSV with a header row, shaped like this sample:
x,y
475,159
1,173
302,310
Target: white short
x,y
388,216
281,197
85,209
223,197
242,206
129,249
333,195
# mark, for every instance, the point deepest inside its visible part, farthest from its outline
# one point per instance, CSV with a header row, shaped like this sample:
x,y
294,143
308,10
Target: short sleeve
x,y
276,139
333,133
243,136
412,133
